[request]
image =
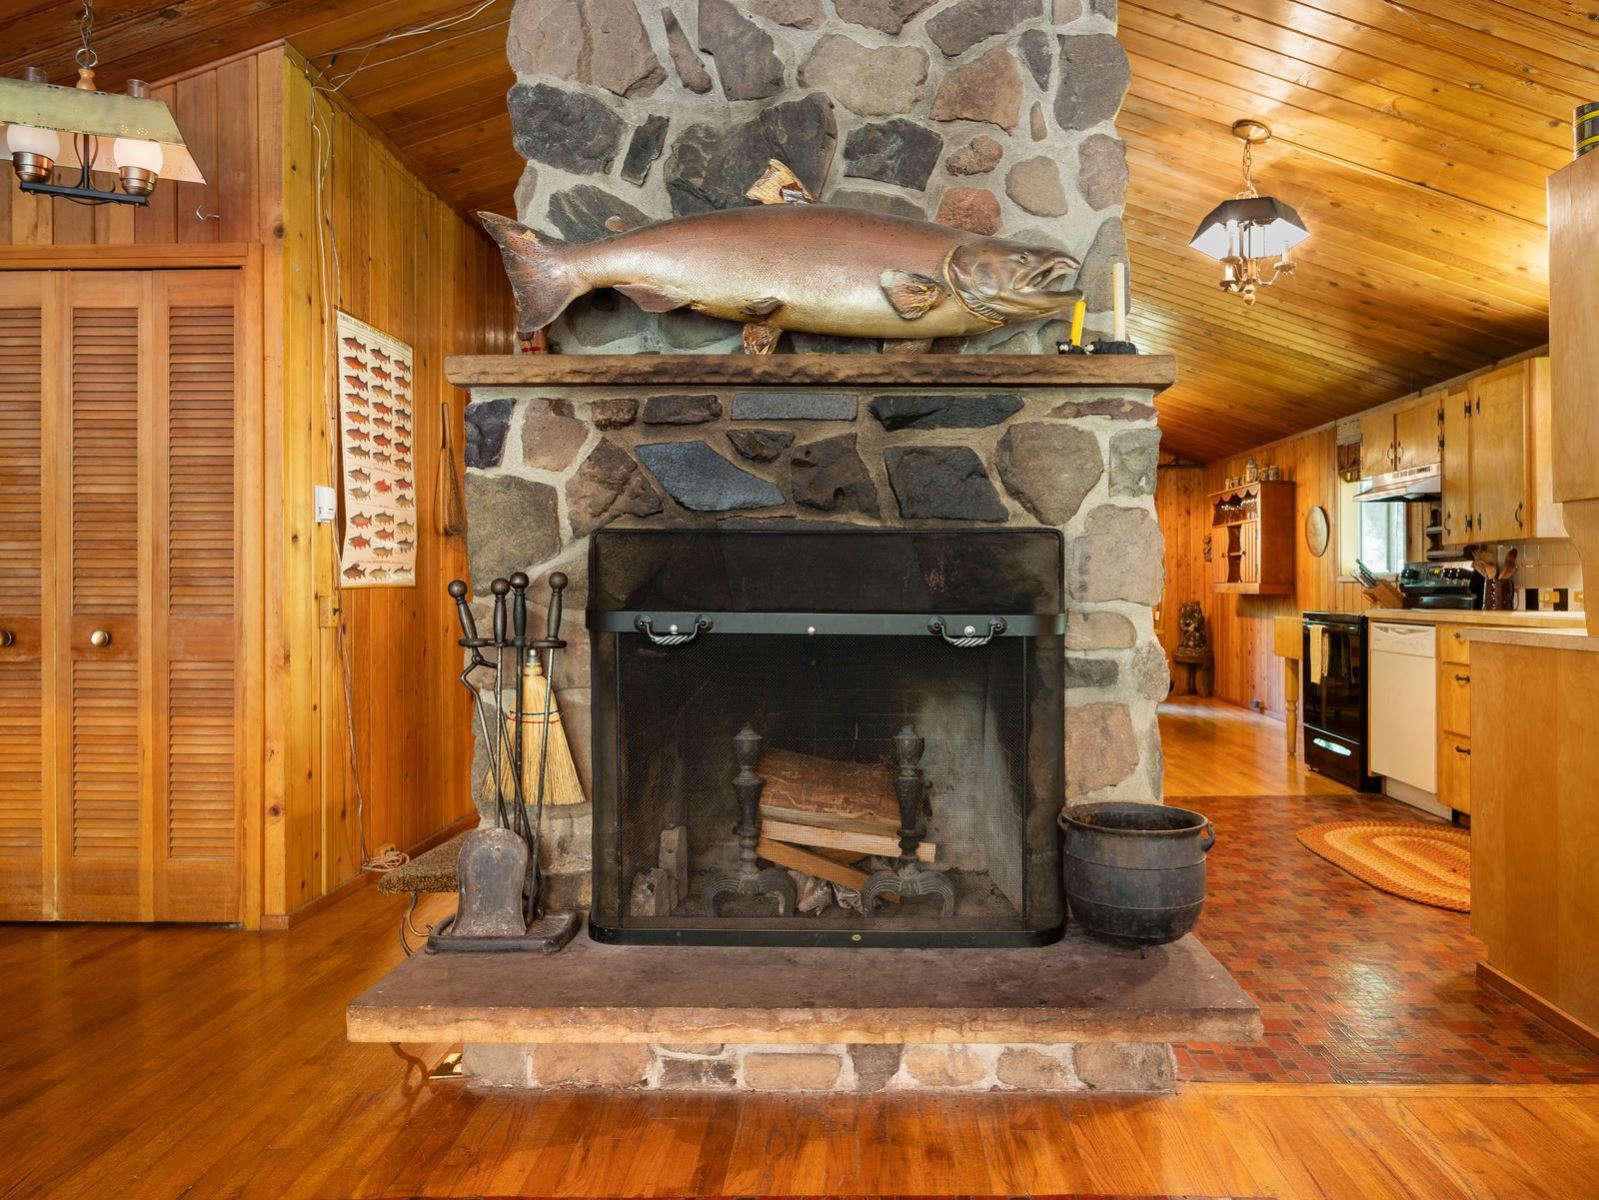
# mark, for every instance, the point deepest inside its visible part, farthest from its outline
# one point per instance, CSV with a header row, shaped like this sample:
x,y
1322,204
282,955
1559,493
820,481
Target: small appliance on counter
x,y
1334,685
1440,585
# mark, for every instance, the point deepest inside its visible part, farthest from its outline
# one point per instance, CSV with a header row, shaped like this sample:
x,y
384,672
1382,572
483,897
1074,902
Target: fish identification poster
x,y
379,482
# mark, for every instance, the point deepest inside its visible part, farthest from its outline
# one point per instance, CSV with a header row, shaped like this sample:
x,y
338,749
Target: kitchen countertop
x,y
1544,639
1503,619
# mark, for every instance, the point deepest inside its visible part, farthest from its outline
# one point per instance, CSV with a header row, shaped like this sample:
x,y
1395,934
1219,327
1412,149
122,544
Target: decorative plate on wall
x,y
1317,530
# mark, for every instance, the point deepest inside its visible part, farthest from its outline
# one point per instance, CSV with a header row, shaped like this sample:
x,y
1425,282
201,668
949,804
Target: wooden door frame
x,y
250,260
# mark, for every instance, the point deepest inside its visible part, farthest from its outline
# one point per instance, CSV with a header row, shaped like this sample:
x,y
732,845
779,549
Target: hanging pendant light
x,y
44,128
1250,234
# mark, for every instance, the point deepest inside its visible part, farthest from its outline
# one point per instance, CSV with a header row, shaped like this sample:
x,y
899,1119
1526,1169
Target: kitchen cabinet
x,y
1253,529
1396,439
1533,766
1377,443
1497,478
1455,468
1418,433
1454,718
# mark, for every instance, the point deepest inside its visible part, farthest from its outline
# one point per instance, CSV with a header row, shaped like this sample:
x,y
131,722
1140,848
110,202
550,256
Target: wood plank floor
x,y
181,1062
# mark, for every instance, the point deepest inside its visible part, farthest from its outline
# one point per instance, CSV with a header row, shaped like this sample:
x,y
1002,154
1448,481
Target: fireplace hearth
x,y
835,736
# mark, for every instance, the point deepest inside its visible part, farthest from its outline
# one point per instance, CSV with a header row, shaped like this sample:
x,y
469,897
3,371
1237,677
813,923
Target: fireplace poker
x,y
500,588
519,584
471,641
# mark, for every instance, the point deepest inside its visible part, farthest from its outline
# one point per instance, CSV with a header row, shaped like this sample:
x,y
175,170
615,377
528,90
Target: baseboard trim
x,y
1549,1014
281,922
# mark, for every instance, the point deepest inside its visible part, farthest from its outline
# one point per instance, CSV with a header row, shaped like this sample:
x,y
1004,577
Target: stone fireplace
x,y
711,509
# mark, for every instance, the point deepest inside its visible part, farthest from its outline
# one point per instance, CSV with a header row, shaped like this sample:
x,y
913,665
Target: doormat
x,y
1430,864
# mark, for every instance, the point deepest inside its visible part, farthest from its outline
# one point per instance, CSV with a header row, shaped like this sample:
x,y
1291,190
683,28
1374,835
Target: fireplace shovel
x,y
497,906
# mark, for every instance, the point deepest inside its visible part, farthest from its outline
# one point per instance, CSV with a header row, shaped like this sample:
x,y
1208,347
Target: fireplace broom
x,y
561,784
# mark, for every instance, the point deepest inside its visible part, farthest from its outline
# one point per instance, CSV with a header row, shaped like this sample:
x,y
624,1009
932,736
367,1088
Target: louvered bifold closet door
x,y
197,826
23,834
101,340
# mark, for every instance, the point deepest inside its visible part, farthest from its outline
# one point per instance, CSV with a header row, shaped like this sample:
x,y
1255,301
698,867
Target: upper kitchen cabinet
x,y
1396,439
1497,484
1418,433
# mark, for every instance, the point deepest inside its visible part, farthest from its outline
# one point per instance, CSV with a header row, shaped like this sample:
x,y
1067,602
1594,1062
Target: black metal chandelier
x,y
45,129
1250,234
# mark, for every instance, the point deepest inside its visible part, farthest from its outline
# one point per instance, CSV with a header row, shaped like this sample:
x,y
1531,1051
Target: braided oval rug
x,y
1430,864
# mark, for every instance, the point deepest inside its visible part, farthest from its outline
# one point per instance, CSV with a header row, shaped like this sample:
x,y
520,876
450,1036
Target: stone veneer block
x,y
743,51
700,479
643,148
519,524
591,1066
1126,1067
793,406
942,482
569,130
487,423
871,82
681,410
926,410
958,28
599,42
1051,468
795,1072
760,445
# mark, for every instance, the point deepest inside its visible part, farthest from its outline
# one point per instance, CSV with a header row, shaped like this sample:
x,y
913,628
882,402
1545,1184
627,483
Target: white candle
x,y
1118,280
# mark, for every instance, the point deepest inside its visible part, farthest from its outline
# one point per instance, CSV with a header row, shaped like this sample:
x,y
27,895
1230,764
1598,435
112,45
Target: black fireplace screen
x,y
837,737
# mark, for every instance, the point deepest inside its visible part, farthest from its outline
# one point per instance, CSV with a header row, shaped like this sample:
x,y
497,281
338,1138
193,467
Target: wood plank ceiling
x,y
1414,137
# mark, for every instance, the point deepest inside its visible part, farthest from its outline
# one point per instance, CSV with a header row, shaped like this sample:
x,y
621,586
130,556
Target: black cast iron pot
x,y
1136,872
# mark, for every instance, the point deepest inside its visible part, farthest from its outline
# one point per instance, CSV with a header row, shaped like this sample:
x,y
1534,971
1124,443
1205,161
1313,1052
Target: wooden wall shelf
x,y
1252,539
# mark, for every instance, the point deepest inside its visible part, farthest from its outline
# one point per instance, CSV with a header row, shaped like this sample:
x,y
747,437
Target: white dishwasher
x,y
1402,721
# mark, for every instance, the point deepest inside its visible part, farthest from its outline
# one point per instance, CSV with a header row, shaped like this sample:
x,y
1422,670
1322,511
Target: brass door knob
x,y
7,638
100,637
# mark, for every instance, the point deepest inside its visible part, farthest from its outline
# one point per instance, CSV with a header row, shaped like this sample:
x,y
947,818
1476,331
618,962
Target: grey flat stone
x,y
911,410
942,483
793,406
700,479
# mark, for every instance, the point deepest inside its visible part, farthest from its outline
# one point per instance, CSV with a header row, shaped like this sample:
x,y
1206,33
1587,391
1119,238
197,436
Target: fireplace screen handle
x,y
674,635
967,637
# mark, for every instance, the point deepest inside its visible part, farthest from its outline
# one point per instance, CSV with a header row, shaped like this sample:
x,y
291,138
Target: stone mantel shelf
x,y
1155,372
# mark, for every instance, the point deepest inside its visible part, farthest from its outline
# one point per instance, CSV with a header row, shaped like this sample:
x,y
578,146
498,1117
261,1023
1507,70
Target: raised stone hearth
x,y
1076,1015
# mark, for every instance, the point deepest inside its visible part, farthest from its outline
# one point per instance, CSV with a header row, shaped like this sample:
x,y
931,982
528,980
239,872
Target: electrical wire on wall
x,y
329,280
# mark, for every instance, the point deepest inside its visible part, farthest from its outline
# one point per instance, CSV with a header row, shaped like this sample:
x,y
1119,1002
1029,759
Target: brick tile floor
x,y
1354,985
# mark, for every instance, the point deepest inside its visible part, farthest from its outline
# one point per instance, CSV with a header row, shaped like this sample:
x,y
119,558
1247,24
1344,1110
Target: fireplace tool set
x,y
498,905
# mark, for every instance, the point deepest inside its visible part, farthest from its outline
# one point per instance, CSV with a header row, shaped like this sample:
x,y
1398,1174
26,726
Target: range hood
x,y
1413,483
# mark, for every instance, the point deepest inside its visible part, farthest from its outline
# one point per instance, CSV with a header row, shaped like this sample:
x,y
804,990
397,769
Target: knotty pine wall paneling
x,y
1246,670
412,267
1184,518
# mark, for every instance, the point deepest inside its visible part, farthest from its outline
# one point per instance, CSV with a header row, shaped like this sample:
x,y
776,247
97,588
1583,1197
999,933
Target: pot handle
x,y
1209,839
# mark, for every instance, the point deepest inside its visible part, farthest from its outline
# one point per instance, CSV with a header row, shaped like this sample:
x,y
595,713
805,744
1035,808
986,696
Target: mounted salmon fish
x,y
791,263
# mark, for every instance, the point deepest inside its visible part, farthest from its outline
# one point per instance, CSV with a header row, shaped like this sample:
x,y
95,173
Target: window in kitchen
x,y
1374,533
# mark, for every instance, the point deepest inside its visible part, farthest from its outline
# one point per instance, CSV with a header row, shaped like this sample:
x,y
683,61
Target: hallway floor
x,y
200,1062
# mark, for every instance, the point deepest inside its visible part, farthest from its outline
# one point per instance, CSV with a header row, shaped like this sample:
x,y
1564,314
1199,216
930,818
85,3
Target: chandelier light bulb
x,y
33,151
138,163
